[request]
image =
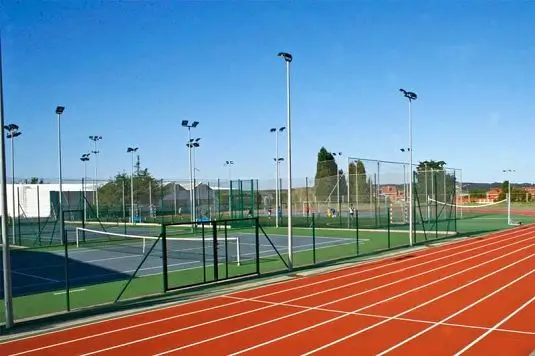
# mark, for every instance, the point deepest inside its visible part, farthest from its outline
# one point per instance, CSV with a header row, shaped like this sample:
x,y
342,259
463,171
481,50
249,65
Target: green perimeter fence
x,y
103,261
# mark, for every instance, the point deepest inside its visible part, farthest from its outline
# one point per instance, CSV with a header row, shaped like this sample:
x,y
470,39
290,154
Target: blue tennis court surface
x,y
42,270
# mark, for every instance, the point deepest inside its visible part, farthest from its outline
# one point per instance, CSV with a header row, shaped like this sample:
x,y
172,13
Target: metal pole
x,y
229,186
461,192
411,203
83,190
194,184
509,201
191,188
289,126
95,186
13,185
132,191
277,193
6,257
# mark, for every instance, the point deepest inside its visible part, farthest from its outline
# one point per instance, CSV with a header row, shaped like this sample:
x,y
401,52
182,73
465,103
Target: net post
x,y
238,250
257,244
78,237
163,236
313,238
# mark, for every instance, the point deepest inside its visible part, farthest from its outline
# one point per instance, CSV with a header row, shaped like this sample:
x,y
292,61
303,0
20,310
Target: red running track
x,y
475,297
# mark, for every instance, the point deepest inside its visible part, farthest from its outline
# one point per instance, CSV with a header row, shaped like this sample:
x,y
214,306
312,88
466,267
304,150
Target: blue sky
x,y
131,71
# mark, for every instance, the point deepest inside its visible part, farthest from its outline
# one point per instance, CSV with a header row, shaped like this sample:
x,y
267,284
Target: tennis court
x,y
472,297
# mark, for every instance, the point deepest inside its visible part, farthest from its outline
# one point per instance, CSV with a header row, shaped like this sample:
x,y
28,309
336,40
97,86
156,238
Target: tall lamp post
x,y
277,176
12,132
132,150
95,140
59,112
6,256
85,159
193,144
410,96
339,203
189,126
288,59
229,164
509,173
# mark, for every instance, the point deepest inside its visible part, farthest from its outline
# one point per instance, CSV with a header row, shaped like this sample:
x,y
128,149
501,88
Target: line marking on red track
x,y
512,234
304,311
496,326
336,311
388,299
429,302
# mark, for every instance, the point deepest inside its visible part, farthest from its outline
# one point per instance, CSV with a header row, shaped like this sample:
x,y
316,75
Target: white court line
x,y
35,276
71,291
441,322
384,316
420,306
303,297
496,237
496,327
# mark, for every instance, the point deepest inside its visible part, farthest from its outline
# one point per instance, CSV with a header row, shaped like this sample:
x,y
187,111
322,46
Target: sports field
x,y
472,297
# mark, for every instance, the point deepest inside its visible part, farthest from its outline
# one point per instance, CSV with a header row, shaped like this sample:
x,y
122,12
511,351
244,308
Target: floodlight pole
x,y
12,132
132,150
84,159
288,59
410,96
229,165
187,125
6,256
277,172
95,180
59,112
339,203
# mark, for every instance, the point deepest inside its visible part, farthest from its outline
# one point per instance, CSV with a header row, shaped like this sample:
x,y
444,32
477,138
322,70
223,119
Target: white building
x,y
33,200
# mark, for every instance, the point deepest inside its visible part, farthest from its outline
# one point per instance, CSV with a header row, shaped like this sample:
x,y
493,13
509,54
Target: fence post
x,y
257,243
214,248
163,236
66,261
313,238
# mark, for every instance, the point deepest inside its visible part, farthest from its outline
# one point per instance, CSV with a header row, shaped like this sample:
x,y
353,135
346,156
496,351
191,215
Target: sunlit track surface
x,y
474,297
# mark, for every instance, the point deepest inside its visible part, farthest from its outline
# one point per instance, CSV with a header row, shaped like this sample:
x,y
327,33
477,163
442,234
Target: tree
x,y
359,187
435,181
518,194
326,180
116,192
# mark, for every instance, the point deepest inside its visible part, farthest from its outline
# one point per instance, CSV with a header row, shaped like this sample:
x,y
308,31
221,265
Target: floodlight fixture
x,y
60,109
286,56
409,94
132,149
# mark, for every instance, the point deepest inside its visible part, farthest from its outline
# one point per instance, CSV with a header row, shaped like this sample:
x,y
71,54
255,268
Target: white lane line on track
x,y
303,311
496,238
451,316
336,311
496,327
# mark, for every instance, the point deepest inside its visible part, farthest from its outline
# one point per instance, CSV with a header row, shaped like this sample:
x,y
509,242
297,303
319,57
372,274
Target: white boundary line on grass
x,y
314,294
454,246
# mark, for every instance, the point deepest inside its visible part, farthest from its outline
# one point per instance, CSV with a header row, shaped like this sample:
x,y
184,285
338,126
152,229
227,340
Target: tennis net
x,y
188,248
